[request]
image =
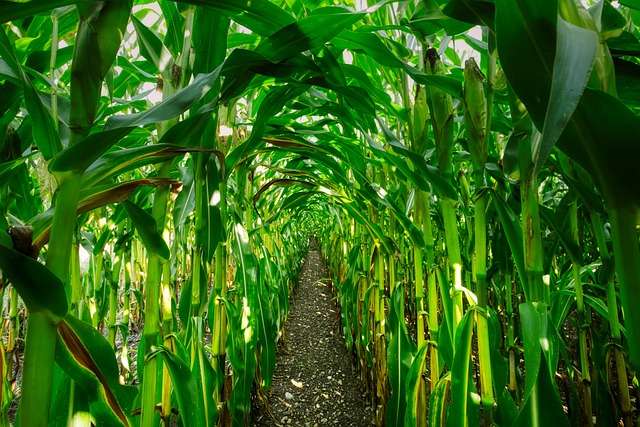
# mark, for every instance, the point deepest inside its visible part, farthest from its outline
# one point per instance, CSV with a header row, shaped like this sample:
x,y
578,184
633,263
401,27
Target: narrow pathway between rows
x,y
315,383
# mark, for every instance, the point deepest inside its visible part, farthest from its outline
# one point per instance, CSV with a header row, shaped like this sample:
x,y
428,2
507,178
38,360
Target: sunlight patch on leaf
x,y
215,198
242,234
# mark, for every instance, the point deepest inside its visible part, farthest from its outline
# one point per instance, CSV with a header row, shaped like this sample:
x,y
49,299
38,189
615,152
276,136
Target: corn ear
x,y
475,111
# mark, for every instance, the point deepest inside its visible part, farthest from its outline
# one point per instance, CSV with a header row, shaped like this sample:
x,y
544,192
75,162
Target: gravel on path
x,y
314,383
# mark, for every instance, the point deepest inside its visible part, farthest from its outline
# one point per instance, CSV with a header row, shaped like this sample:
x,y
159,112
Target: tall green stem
x,y
167,321
39,358
627,263
432,291
41,331
533,262
511,342
151,331
582,320
480,269
453,253
14,327
52,67
614,324
442,112
418,270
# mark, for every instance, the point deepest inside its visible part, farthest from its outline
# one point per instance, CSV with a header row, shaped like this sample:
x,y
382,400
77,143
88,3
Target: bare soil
x,y
315,382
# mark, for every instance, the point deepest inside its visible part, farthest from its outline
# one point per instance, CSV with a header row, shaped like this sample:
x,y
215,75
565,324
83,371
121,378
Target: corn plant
x,y
468,167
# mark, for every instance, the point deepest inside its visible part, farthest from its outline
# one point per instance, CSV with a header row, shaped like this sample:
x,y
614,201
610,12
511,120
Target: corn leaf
x,y
477,12
509,222
400,353
12,10
102,26
152,48
575,54
87,357
458,414
169,108
308,33
38,287
185,385
260,16
147,229
92,198
45,135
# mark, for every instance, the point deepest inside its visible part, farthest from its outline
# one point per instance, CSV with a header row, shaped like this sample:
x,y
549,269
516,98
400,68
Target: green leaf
x,y
207,382
170,107
429,19
413,380
185,202
373,46
79,156
557,221
575,54
92,198
602,138
116,162
212,230
185,387
267,329
39,288
600,135
210,32
102,26
533,320
438,401
175,26
88,358
369,43
612,22
270,106
446,334
513,232
439,183
526,38
547,408
400,355
626,44
628,82
260,16
147,228
447,84
538,336
460,370
507,410
13,10
308,33
45,134
633,4
8,168
477,12
152,48
241,344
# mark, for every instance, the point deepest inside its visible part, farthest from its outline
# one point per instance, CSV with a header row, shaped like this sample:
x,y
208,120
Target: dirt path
x,y
314,383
